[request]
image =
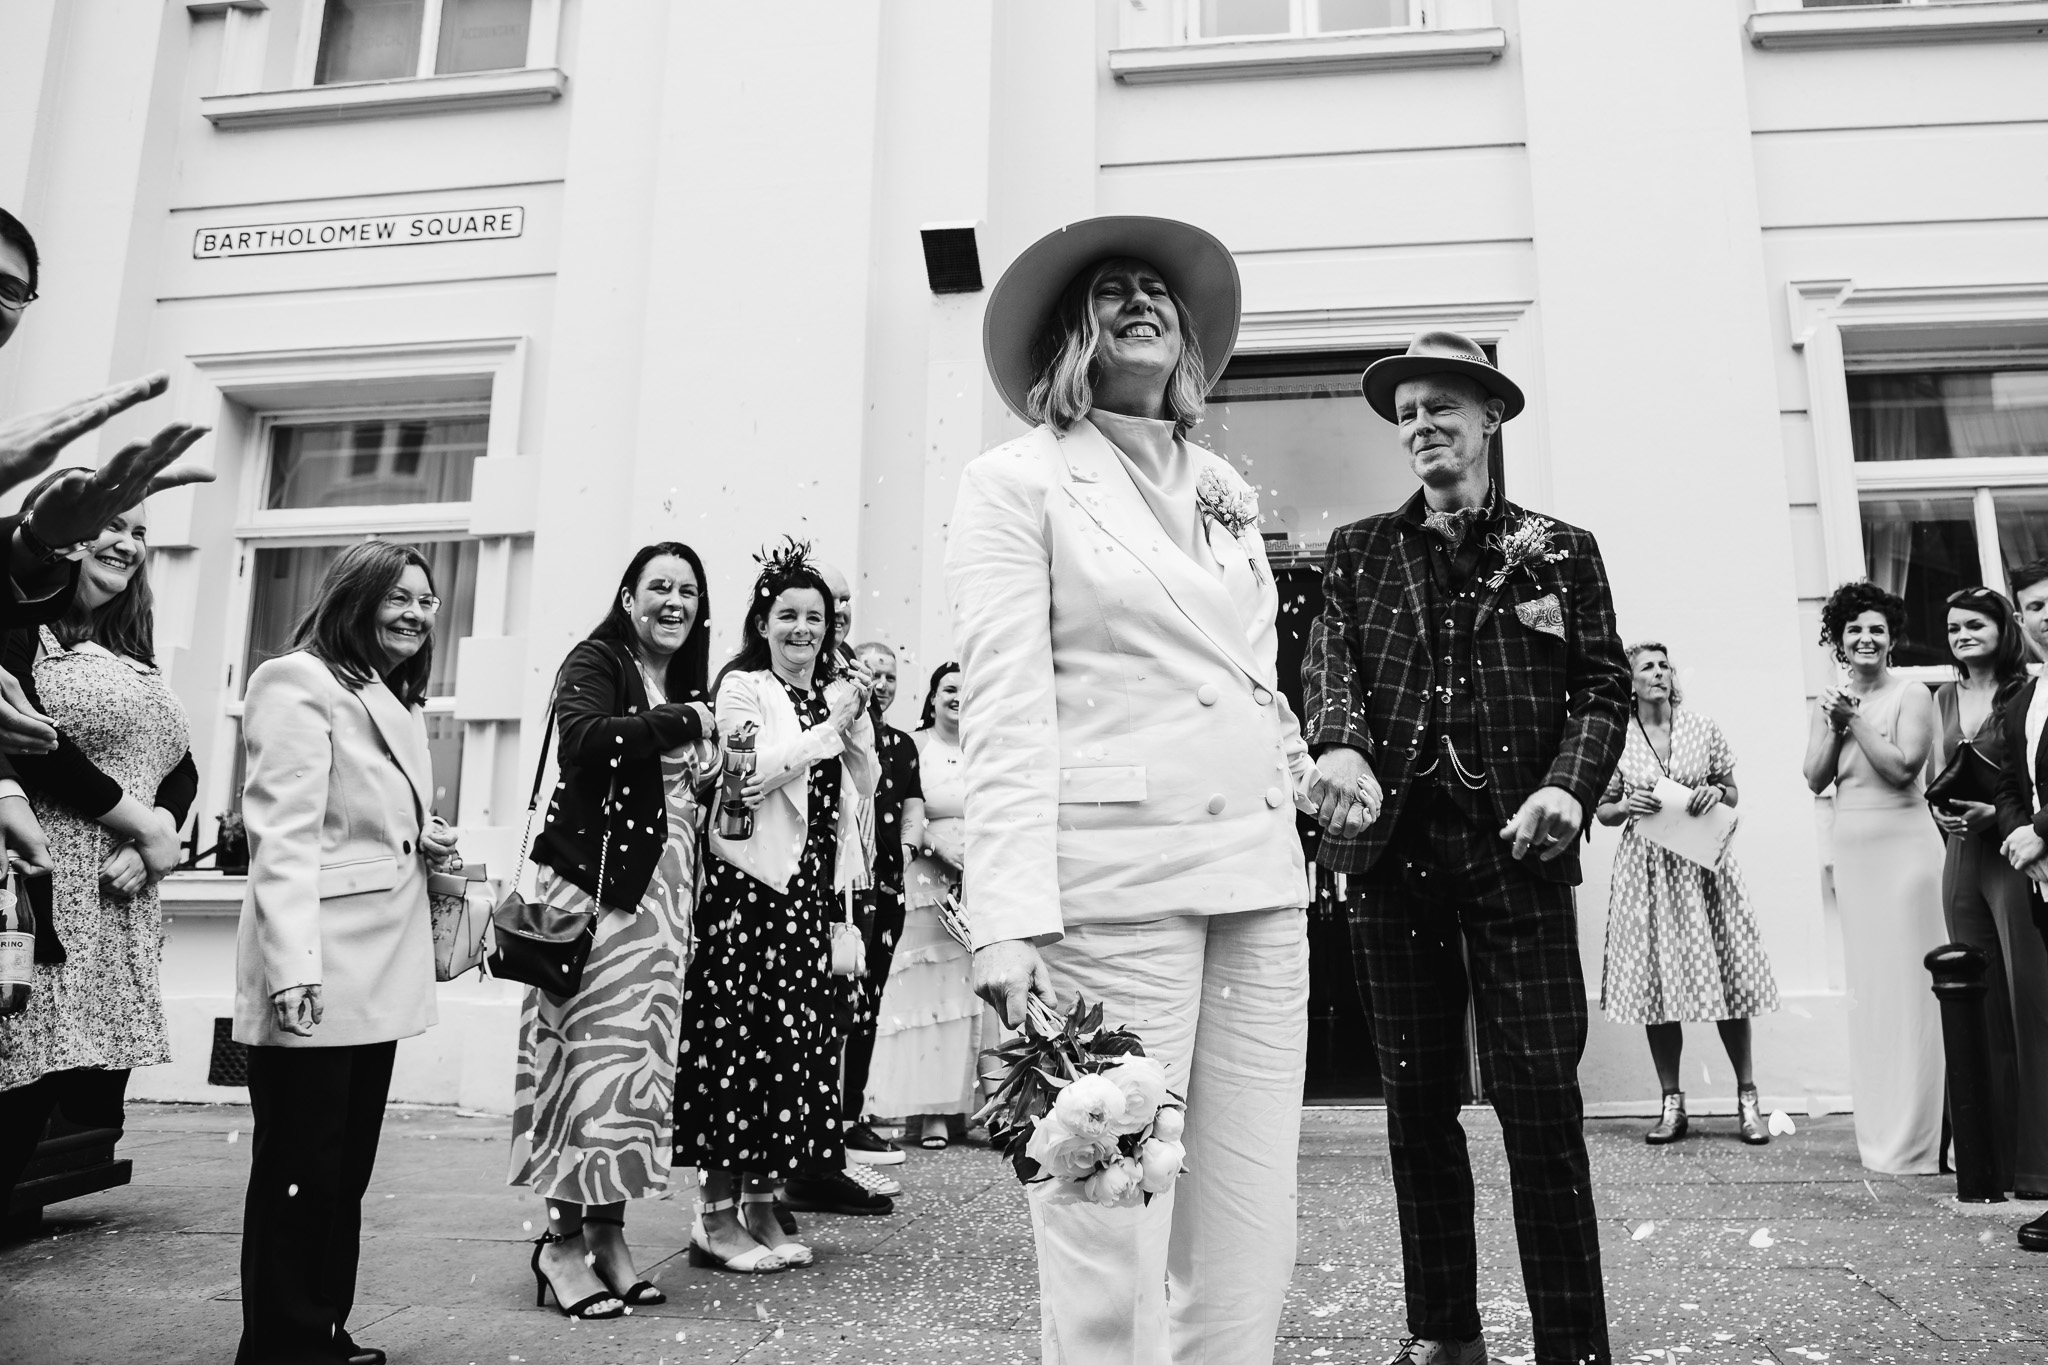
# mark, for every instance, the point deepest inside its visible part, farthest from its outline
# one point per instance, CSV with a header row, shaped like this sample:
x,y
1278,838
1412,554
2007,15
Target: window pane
x,y
287,579
1340,16
370,40
1226,18
1948,414
1923,549
376,463
2022,527
482,35
1300,432
444,747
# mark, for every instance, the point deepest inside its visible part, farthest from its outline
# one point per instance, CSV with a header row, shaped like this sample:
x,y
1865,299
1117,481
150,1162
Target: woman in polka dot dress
x,y
1682,945
757,1083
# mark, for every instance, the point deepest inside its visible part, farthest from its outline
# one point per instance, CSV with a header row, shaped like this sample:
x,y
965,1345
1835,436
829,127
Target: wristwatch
x,y
44,553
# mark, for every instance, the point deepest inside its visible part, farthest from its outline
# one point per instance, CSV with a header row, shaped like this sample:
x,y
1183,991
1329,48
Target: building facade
x,y
530,282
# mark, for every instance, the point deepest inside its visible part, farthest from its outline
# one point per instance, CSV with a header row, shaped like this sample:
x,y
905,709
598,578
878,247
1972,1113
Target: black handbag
x,y
533,942
1967,776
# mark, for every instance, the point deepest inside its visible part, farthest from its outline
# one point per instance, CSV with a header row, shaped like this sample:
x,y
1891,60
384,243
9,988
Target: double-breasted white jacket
x,y
1129,754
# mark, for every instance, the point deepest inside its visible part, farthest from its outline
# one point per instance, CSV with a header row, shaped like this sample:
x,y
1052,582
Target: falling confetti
x,y
1642,1231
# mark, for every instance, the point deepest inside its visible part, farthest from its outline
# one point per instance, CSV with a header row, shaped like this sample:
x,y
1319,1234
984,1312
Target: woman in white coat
x,y
1132,773
335,960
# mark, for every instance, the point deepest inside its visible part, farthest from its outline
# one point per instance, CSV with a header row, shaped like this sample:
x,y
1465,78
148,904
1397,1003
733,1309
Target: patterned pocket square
x,y
1542,614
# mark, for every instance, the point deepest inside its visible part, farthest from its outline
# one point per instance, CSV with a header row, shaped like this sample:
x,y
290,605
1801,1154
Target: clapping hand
x,y
1839,707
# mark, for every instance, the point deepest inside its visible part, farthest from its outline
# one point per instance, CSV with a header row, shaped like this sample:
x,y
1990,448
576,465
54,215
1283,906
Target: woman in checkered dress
x,y
1682,944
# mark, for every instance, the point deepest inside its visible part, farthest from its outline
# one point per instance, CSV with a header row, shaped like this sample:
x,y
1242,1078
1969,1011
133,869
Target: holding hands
x,y
1346,794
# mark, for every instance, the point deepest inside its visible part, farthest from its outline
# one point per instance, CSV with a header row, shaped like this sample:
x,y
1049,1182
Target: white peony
x,y
1143,1083
1090,1107
1172,1121
1159,1163
1064,1154
1115,1185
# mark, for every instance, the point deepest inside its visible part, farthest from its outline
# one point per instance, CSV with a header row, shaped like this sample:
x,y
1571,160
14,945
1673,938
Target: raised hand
x,y
81,503
28,445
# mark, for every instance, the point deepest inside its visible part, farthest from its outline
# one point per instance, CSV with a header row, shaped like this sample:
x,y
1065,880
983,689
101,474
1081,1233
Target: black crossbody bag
x,y
533,942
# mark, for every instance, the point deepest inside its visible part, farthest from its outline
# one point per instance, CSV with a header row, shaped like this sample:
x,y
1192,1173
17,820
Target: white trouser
x,y
1196,1277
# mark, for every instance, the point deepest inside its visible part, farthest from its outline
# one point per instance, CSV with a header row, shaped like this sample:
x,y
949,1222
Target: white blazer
x,y
339,783
784,750
1129,754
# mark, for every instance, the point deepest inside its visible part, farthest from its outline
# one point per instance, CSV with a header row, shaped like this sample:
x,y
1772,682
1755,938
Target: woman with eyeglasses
x,y
111,799
335,960
1986,902
1869,739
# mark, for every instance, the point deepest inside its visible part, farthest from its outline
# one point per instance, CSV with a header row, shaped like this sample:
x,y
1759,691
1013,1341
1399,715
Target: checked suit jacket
x,y
1552,691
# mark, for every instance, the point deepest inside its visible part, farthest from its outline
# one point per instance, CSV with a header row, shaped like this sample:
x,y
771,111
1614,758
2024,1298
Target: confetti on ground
x,y
1762,1238
1781,1124
1642,1230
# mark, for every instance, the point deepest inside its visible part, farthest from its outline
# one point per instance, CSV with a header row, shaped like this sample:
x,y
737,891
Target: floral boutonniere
x,y
1230,505
1528,542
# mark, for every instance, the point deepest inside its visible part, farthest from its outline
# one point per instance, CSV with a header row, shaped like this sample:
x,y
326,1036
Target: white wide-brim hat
x,y
1196,267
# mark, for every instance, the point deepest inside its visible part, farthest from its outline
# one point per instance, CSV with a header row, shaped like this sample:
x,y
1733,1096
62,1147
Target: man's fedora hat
x,y
1437,353
1196,267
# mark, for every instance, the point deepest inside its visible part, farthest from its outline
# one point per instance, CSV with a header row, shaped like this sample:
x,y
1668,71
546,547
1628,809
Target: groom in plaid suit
x,y
1466,702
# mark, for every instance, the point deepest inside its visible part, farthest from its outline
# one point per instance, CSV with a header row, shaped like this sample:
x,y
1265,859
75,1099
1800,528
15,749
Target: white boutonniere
x,y
1233,506
1525,544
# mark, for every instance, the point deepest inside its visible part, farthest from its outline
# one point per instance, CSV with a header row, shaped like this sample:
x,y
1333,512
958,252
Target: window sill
x,y
383,99
1983,21
1395,51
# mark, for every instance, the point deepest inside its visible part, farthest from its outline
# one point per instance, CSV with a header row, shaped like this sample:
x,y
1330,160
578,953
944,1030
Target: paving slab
x,y
1714,1253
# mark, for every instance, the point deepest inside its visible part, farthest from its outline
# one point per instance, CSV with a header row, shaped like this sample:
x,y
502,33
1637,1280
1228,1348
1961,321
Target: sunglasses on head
x,y
1977,597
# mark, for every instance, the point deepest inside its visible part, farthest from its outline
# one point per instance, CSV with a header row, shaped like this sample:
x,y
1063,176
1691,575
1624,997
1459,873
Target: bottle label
x,y
17,959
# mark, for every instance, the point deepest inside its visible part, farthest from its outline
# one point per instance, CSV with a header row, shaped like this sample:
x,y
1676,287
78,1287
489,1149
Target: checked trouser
x,y
1445,906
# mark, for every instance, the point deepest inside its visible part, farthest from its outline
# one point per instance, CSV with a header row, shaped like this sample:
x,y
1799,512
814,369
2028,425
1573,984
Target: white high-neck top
x,y
1165,474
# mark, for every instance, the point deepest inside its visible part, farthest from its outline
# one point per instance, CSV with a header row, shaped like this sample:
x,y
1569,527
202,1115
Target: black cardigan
x,y
611,742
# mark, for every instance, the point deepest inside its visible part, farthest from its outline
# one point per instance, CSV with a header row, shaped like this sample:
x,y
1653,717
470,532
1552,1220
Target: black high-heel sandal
x,y
642,1292
583,1307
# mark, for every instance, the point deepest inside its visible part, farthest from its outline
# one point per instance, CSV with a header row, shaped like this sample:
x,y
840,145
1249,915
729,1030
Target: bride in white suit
x,y
1132,772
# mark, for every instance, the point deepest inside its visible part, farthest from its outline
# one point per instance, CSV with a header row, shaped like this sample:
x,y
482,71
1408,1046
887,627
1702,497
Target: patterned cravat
x,y
1452,526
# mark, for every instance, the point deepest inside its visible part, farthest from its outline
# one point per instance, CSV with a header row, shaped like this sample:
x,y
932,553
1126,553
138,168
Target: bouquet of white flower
x,y
1079,1106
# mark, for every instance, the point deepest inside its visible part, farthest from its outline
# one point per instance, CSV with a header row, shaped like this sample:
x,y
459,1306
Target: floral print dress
x,y
103,1006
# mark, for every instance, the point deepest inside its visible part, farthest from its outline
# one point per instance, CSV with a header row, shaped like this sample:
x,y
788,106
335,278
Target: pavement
x,y
1715,1252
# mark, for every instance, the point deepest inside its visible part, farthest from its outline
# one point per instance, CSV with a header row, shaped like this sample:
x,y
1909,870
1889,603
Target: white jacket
x,y
1129,754
784,750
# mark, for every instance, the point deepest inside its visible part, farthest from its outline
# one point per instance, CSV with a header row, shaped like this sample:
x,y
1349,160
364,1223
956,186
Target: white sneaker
x,y
872,1180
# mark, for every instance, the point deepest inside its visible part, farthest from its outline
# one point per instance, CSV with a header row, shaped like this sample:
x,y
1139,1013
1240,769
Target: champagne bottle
x,y
17,945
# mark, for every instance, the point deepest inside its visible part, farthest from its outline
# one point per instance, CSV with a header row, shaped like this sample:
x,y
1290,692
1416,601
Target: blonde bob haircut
x,y
1642,647
1064,358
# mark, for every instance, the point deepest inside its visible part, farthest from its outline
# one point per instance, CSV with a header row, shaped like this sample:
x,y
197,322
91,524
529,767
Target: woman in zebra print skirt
x,y
593,1117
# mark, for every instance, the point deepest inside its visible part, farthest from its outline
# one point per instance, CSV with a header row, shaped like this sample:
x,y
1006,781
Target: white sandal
x,y
792,1253
759,1261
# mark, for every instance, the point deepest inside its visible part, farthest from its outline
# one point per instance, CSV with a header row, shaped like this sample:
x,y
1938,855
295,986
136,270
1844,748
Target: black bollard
x,y
1958,971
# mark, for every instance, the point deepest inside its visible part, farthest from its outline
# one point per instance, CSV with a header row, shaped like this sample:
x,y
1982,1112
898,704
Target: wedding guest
x,y
1985,900
335,959
2023,791
1869,739
927,1036
757,1091
111,799
1682,942
1128,758
899,811
594,1101
1465,672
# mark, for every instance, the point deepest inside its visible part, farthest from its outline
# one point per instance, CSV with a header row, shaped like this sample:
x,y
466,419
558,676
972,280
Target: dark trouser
x,y
885,925
319,1111
89,1097
1990,907
1519,948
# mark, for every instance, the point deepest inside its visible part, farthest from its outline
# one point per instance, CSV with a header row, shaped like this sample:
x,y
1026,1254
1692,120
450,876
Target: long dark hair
x,y
688,666
2009,665
340,628
782,569
931,695
126,622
